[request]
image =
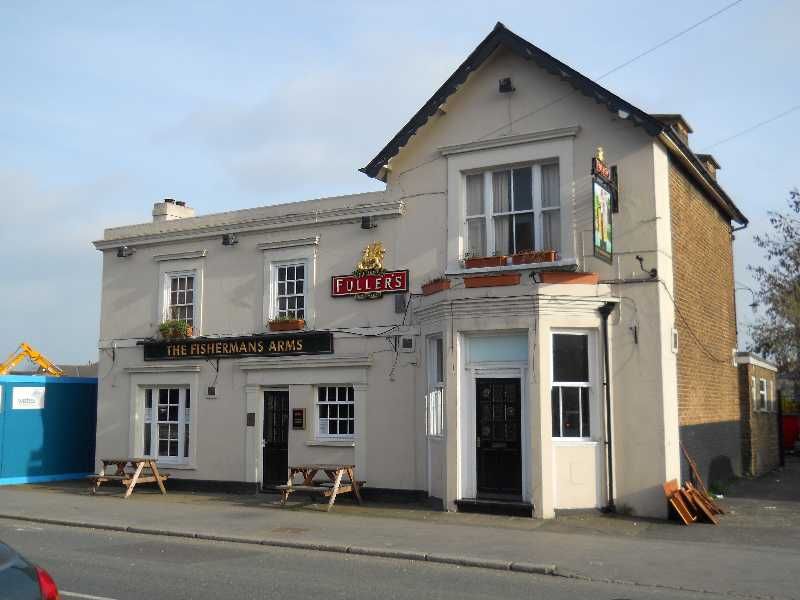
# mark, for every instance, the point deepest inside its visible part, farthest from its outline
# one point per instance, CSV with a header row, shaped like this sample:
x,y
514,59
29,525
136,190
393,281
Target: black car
x,y
20,580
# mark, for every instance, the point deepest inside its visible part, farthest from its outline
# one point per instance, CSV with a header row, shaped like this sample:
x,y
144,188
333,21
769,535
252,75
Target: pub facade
x,y
496,329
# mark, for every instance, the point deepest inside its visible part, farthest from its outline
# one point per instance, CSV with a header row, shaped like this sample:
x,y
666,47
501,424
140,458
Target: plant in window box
x,y
175,329
435,285
472,261
286,323
534,256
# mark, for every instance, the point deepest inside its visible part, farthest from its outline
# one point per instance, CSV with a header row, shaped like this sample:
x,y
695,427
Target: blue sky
x,y
108,107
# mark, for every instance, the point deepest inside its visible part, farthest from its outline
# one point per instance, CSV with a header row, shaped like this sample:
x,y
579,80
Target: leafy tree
x,y
776,334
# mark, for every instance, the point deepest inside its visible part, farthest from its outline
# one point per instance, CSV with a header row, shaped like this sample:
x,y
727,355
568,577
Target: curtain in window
x,y
551,208
501,191
474,195
476,225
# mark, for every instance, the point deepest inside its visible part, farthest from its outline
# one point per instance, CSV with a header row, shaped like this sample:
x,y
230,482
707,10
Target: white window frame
x,y
274,310
586,387
538,147
277,253
434,399
489,215
168,293
773,400
762,395
184,421
176,267
318,420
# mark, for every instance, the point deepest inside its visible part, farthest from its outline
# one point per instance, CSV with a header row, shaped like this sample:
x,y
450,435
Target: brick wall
x,y
708,395
760,451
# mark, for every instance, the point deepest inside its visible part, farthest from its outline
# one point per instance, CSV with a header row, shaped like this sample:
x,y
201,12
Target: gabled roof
x,y
501,36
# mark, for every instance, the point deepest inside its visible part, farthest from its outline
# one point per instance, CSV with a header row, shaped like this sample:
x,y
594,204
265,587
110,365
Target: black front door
x,y
276,433
499,461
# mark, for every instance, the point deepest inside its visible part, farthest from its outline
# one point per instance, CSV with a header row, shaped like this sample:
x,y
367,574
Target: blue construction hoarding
x,y
47,428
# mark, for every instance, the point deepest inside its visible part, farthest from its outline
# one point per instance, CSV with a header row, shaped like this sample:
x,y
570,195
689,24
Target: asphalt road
x,y
99,565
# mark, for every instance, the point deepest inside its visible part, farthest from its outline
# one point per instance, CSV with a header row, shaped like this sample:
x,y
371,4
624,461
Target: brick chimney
x,y
169,209
711,165
677,123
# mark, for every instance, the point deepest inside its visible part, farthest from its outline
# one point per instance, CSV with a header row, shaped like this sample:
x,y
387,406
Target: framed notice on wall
x,y
603,192
27,398
298,418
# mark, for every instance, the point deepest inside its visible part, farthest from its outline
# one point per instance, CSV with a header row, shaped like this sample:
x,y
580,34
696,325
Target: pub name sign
x,y
289,344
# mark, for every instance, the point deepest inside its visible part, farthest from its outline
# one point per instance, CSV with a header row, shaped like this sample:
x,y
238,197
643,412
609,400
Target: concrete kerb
x,y
411,555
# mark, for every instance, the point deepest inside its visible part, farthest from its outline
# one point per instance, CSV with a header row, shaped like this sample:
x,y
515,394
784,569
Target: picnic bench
x,y
129,471
329,489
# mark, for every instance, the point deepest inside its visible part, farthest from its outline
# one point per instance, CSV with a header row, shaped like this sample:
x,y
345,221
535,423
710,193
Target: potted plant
x,y
286,323
534,256
476,262
175,329
435,285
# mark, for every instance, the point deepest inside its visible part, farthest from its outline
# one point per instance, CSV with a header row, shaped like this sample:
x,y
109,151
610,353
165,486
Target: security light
x,y
125,251
230,239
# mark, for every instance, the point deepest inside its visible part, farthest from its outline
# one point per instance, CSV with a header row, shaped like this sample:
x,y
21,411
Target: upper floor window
x,y
180,301
513,210
289,290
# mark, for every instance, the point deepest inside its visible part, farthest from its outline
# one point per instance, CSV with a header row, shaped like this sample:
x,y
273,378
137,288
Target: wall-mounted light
x,y
125,251
368,222
230,239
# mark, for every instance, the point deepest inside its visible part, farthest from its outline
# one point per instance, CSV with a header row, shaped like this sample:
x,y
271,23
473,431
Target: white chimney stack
x,y
170,209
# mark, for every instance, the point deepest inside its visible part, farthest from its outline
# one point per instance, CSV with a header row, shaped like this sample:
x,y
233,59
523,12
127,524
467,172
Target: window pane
x,y
556,408
173,448
551,230
503,235
147,440
186,441
523,232
523,189
571,358
501,191
476,237
585,431
570,414
300,271
439,367
289,273
474,195
550,186
333,427
190,283
173,284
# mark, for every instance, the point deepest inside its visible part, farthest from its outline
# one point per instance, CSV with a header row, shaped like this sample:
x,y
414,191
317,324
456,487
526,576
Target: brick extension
x,y
760,451
708,396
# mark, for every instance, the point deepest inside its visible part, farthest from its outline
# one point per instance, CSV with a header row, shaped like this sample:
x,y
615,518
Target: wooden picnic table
x,y
129,471
329,488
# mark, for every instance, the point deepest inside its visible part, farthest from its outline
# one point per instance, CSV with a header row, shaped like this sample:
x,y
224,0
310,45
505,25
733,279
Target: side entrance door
x,y
499,459
275,444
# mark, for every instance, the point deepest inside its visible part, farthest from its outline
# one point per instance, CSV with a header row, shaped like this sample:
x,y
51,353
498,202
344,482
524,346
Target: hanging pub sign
x,y
287,344
370,279
603,192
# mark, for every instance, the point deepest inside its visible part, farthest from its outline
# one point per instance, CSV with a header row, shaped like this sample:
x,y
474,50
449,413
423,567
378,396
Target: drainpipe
x,y
605,311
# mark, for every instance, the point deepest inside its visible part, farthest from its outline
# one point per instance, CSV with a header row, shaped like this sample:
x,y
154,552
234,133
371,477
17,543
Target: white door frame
x,y
467,464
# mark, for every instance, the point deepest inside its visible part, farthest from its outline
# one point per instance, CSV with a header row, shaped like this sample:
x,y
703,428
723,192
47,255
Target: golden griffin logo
x,y
371,259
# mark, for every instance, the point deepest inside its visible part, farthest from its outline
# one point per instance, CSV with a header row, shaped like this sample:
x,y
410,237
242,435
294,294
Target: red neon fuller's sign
x,y
369,283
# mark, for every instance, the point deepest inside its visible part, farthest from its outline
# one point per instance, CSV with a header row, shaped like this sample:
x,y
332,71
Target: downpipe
x,y
605,311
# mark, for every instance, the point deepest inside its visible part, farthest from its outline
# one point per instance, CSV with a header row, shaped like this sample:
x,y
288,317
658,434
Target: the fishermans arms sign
x,y
286,344
370,279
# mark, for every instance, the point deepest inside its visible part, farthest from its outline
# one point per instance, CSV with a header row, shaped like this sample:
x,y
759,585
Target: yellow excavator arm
x,y
27,351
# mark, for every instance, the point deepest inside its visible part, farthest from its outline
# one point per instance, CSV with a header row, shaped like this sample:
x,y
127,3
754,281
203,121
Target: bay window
x,y
513,210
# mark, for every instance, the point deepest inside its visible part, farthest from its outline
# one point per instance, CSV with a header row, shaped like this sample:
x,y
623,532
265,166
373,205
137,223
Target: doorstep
x,y
511,508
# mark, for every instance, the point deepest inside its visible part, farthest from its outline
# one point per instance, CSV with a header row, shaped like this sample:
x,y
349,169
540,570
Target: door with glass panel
x,y
498,446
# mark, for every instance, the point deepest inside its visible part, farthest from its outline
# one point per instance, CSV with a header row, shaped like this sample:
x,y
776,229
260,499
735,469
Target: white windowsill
x,y
176,466
332,443
564,262
575,442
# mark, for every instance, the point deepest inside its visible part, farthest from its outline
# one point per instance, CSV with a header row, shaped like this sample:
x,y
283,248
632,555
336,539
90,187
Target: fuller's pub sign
x,y
288,344
370,279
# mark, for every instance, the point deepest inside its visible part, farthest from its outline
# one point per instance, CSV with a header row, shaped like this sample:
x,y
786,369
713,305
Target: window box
x,y
569,277
479,262
524,258
175,330
286,324
479,281
436,285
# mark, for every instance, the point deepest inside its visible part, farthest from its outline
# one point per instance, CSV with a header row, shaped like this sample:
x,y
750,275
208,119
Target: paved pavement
x,y
754,553
120,566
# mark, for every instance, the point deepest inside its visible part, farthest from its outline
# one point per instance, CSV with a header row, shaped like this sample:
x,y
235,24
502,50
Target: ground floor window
x,y
167,420
571,389
336,411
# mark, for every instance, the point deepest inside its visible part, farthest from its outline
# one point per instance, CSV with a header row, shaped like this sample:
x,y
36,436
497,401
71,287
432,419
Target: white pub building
x,y
496,330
